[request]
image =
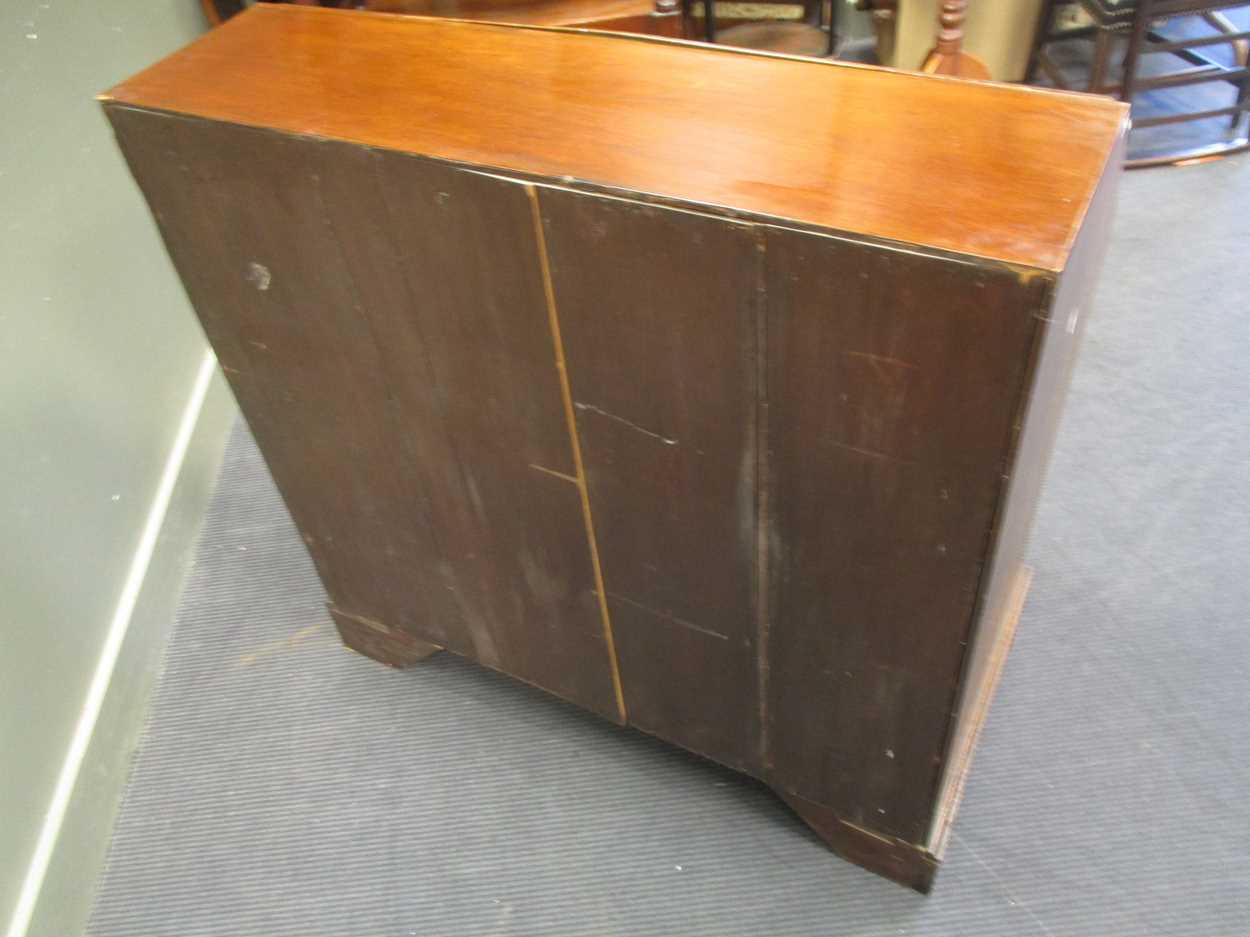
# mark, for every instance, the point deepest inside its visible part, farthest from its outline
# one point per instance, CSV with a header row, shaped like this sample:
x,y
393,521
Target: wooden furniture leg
x,y
1137,39
1041,33
884,24
1102,56
1243,96
907,863
903,862
1217,19
948,56
373,639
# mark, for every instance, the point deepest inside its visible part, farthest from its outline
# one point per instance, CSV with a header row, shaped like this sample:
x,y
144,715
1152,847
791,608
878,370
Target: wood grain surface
x,y
382,323
994,171
659,309
893,383
1063,323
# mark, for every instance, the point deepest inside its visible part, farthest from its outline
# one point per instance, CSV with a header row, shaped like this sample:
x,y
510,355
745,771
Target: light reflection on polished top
x,y
995,171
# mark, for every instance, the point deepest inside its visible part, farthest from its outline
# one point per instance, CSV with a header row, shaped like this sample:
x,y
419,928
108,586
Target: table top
x,y
999,172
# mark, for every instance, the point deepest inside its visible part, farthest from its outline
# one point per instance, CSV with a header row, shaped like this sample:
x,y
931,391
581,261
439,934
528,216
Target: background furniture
x,y
1143,24
884,18
551,378
794,37
648,17
948,56
1107,18
682,19
1202,69
997,32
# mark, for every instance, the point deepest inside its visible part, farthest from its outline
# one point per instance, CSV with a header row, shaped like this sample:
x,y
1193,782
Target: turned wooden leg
x,y
389,646
888,856
884,25
1102,57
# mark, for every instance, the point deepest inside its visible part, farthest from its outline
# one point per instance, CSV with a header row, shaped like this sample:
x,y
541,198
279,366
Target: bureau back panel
x,y
382,321
659,310
707,390
730,482
894,380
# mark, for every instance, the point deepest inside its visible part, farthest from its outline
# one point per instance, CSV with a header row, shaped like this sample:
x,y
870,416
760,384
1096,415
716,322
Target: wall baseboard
x,y
58,897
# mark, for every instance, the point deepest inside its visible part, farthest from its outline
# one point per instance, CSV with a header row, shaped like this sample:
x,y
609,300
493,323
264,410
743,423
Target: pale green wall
x,y
98,351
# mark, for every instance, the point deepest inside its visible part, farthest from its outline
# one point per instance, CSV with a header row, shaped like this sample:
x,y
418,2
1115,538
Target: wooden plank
x,y
893,380
896,859
391,646
658,309
975,708
1066,311
1003,172
383,324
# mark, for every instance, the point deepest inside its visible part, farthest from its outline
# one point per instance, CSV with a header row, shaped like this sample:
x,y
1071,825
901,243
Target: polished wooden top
x,y
996,171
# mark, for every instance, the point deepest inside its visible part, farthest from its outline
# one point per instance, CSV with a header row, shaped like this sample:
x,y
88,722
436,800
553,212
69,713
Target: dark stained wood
x,y
893,381
1004,173
759,488
382,322
658,312
389,646
904,862
981,681
1062,323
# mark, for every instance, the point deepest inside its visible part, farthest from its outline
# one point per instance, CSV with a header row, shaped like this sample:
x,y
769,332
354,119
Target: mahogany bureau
x,y
708,390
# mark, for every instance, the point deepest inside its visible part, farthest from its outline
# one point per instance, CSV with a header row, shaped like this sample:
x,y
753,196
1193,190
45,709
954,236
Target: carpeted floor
x,y
289,787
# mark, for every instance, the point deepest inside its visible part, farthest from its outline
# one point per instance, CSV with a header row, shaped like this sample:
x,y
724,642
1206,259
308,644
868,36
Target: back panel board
x,y
382,321
780,453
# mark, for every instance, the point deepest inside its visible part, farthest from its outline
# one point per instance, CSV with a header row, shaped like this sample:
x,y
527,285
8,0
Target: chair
x,y
793,37
1139,22
948,56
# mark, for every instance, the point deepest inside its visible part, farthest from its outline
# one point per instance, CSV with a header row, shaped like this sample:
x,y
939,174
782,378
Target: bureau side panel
x,y
658,310
893,379
1065,307
382,321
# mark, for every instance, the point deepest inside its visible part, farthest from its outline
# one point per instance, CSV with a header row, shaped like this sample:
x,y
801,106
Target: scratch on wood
x,y
620,419
258,275
667,617
889,841
1027,275
884,359
367,622
871,454
544,469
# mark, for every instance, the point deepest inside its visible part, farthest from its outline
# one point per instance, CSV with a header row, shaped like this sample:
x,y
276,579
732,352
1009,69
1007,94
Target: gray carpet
x,y
286,786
